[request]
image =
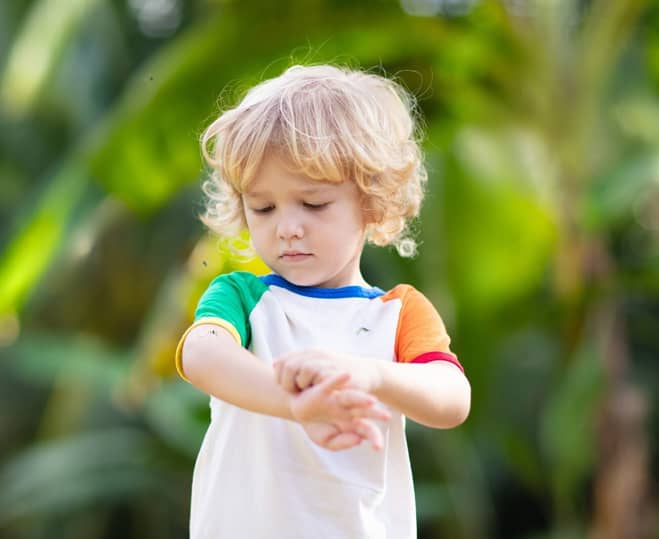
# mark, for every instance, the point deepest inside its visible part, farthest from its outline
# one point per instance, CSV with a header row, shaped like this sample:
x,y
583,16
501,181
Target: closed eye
x,y
316,206
265,209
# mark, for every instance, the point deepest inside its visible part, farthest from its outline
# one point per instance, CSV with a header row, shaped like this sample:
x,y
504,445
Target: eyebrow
x,y
304,191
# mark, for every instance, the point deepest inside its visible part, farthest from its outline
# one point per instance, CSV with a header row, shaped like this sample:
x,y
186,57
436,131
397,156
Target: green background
x,y
539,244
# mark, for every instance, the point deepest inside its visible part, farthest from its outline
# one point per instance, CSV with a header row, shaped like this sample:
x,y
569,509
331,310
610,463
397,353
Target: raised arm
x,y
214,362
436,394
334,416
423,384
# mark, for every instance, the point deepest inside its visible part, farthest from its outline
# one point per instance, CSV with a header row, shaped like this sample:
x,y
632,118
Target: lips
x,y
294,256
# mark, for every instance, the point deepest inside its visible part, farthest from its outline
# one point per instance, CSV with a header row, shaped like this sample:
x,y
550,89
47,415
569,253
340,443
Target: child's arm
x,y
435,394
213,362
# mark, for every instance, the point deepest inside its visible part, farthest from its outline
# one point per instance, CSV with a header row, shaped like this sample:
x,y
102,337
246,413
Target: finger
x,y
344,440
353,398
362,404
372,412
276,366
283,366
334,382
305,377
379,411
369,431
317,378
279,365
287,380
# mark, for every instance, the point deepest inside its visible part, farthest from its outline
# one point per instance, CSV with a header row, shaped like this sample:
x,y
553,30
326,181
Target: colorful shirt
x,y
261,477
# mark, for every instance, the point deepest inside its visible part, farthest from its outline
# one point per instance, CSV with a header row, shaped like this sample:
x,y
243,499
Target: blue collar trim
x,y
353,291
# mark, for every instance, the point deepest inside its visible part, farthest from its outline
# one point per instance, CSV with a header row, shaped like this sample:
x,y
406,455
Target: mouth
x,y
294,256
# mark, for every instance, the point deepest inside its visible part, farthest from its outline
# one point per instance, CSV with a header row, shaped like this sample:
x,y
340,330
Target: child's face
x,y
310,232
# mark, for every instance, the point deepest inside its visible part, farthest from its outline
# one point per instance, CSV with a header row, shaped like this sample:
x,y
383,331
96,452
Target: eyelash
x,y
316,206
268,209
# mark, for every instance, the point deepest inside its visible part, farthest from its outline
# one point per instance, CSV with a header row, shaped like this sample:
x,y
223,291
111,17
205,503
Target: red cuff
x,y
438,356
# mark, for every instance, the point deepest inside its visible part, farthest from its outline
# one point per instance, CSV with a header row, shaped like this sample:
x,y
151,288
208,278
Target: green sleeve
x,y
232,297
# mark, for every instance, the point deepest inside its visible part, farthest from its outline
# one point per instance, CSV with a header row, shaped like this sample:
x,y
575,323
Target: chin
x,y
302,281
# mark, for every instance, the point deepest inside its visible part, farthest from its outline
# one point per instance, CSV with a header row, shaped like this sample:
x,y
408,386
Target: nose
x,y
290,225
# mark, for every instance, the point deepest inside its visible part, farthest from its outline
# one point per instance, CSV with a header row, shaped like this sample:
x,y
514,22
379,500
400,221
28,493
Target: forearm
x,y
435,394
217,365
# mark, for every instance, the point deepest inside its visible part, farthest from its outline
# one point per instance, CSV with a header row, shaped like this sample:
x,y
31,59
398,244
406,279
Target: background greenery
x,y
540,247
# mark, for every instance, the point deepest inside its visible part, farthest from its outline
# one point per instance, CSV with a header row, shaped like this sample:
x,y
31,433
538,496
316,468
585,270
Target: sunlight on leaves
x,y
501,211
32,249
35,52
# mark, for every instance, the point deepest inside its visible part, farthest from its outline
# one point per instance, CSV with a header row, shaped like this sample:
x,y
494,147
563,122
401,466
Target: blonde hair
x,y
329,123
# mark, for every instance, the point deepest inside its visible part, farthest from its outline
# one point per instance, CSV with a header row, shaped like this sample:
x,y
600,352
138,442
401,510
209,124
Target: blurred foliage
x,y
539,245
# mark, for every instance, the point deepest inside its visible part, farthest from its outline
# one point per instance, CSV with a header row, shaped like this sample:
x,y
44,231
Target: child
x,y
304,364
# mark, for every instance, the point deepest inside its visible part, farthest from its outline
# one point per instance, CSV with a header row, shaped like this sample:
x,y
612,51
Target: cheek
x,y
257,232
345,230
356,222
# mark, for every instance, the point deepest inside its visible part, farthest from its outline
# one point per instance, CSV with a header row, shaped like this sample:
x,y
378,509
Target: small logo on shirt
x,y
362,329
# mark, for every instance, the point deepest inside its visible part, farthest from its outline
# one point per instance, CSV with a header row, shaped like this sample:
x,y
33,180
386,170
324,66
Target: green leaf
x,y
43,358
568,428
498,216
147,148
615,196
179,413
35,52
638,117
31,250
59,476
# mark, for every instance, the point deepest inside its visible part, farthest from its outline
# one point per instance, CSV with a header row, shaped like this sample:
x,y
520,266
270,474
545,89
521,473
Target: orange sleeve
x,y
421,335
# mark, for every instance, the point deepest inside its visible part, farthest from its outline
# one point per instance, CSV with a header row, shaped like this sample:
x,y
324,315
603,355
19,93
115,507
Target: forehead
x,y
274,176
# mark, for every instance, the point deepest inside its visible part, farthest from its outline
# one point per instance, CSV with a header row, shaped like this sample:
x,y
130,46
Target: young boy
x,y
304,364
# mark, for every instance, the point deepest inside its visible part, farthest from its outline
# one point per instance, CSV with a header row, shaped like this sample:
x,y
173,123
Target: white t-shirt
x,y
261,477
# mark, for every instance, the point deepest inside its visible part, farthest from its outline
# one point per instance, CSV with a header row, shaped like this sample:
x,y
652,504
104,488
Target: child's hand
x,y
331,401
304,368
332,437
336,417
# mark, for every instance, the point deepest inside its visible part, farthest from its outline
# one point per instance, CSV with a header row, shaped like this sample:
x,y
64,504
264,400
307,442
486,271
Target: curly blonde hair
x,y
328,123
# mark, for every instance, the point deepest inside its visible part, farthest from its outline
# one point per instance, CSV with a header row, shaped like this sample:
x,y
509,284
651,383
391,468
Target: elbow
x,y
454,410
192,357
456,414
202,357
449,417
